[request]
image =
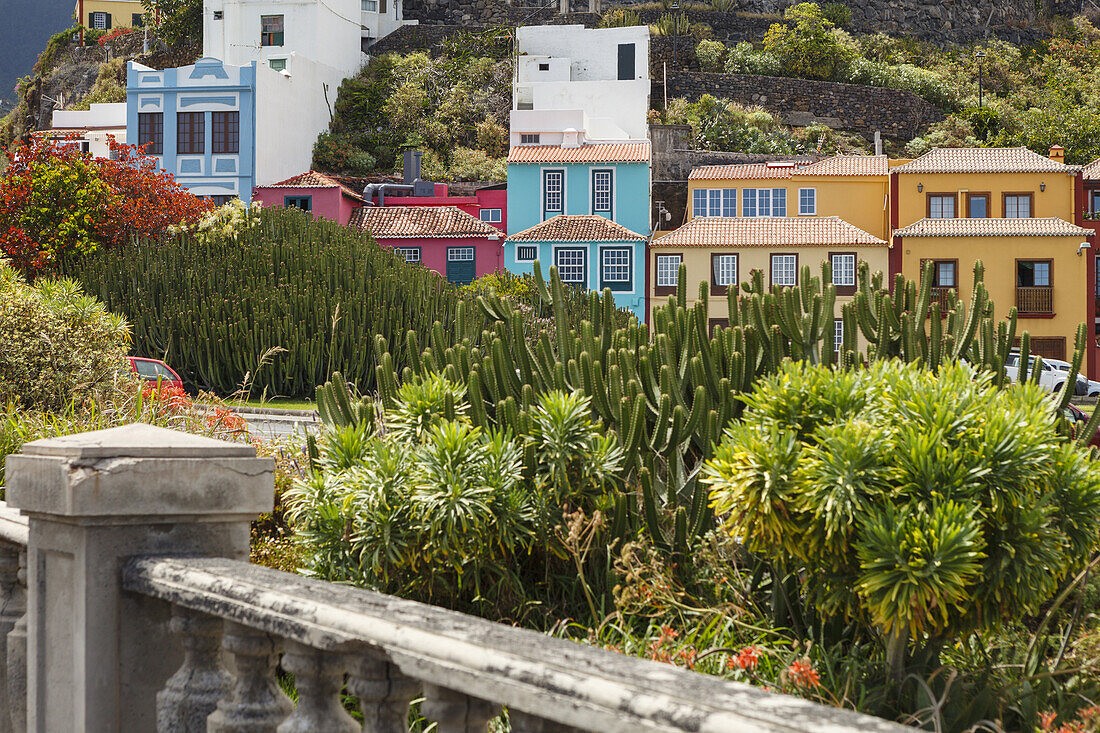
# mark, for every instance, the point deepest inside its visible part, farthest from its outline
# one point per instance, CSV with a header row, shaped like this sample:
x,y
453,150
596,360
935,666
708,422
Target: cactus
x,y
339,405
670,389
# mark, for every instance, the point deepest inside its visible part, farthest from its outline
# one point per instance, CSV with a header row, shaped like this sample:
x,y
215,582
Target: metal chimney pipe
x,y
411,166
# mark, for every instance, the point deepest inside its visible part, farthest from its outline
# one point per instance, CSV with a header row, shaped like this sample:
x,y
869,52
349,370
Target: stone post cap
x,y
139,470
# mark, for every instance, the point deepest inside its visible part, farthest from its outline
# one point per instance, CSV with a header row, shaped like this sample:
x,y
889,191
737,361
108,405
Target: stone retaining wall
x,y
895,113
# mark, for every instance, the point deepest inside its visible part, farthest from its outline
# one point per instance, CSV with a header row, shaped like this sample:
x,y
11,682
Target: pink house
x,y
445,239
326,196
487,202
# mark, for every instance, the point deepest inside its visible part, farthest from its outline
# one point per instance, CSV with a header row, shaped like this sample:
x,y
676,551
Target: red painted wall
x,y
472,205
327,203
488,253
1082,191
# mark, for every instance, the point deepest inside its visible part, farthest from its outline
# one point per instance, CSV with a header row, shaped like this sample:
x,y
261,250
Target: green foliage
x,y
440,105
620,18
743,59
719,124
492,138
464,164
58,344
436,508
805,45
952,132
55,46
839,14
679,24
338,153
109,86
710,55
315,288
927,506
176,22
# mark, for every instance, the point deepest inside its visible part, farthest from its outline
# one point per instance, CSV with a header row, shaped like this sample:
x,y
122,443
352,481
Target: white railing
x,y
142,601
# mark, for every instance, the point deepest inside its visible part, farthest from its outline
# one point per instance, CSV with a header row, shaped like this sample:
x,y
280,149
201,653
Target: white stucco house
x,y
593,81
89,129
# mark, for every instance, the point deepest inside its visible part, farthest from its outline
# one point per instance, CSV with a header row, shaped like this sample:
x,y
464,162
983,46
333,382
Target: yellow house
x,y
108,14
724,251
852,187
1012,209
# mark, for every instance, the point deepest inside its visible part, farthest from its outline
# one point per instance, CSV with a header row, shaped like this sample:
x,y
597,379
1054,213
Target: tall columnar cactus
x,y
671,389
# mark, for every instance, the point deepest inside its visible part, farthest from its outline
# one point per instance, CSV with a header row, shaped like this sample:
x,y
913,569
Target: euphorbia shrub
x,y
926,505
57,201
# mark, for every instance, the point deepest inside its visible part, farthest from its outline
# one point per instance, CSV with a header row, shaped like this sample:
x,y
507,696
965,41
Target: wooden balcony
x,y
941,295
1035,301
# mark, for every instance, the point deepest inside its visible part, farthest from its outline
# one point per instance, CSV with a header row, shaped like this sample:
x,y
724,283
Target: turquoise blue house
x,y
584,209
199,121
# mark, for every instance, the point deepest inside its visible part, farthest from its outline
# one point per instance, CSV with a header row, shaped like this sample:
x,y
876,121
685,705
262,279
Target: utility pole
x,y
980,56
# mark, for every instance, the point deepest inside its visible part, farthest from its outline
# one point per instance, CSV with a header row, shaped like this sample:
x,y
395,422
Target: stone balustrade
x,y
143,614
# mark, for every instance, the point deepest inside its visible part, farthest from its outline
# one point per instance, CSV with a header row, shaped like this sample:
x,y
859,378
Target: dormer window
x,y
529,138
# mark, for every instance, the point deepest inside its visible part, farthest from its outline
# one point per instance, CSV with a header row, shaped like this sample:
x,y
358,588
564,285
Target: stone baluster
x,y
319,678
192,693
522,722
455,712
12,608
98,655
384,693
15,664
255,704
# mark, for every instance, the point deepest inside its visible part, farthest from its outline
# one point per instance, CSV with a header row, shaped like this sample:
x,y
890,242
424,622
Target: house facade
x,y
590,251
325,196
444,239
725,251
199,122
105,15
90,129
1014,210
854,188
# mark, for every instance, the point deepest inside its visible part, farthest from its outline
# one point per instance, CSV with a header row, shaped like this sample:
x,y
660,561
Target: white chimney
x,y
570,138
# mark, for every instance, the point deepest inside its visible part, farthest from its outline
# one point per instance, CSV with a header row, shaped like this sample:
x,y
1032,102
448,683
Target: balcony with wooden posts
x,y
1035,301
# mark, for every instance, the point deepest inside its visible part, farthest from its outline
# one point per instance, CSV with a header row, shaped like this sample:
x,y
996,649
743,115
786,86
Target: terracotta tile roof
x,y
984,160
412,222
632,152
1052,227
715,231
576,228
316,179
743,171
1091,171
847,165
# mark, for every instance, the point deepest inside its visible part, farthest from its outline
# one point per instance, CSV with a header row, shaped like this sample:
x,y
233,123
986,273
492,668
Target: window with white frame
x,y
725,270
844,269
99,21
1018,206
764,202
785,270
668,270
411,254
615,266
553,192
526,253
529,138
714,202
572,266
807,201
370,6
838,335
602,191
460,254
941,206
489,216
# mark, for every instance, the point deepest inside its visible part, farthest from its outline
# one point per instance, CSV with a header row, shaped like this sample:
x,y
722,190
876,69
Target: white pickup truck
x,y
1050,378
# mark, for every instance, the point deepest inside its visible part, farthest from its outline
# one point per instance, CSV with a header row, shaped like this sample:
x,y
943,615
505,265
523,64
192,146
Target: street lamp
x,y
979,56
675,30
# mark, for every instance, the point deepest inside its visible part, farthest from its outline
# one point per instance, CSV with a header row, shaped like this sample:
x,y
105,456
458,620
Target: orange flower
x,y
1046,720
803,674
746,659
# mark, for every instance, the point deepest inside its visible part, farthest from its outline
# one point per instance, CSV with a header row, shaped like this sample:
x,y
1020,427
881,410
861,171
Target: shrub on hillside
x,y
710,54
839,14
464,164
806,46
338,153
620,18
923,505
57,344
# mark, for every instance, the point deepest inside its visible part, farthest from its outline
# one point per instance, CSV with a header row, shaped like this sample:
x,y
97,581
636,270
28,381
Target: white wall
x,y
100,121
290,114
326,31
377,24
593,52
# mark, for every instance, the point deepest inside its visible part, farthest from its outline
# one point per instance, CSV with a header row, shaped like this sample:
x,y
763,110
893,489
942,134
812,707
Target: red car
x,y
154,369
1079,420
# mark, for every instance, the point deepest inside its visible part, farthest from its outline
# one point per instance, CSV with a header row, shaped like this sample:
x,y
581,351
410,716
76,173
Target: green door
x,y
460,265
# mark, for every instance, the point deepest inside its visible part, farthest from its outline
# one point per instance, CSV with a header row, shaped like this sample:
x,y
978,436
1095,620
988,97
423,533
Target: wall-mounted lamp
x,y
1082,247
1042,187
920,187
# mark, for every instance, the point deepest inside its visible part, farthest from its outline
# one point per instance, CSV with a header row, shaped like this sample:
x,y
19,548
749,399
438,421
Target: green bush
x,y
319,290
806,45
743,59
57,344
719,124
952,132
710,54
927,506
838,14
620,18
464,164
337,153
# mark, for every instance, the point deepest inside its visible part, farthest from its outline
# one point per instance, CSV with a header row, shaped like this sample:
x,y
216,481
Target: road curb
x,y
273,411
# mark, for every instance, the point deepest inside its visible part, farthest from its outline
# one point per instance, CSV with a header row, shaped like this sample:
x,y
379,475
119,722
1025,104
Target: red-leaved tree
x,y
57,201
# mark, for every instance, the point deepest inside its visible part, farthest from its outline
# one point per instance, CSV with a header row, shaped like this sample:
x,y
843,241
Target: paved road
x,y
277,425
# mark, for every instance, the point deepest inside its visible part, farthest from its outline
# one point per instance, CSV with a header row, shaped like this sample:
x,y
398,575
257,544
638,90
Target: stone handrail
x,y
13,526
537,677
14,535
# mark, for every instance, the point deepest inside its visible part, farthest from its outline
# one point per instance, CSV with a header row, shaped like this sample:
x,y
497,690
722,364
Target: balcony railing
x,y
133,577
1035,300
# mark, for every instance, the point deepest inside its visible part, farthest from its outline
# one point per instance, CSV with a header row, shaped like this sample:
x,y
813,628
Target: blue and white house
x,y
199,122
579,158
